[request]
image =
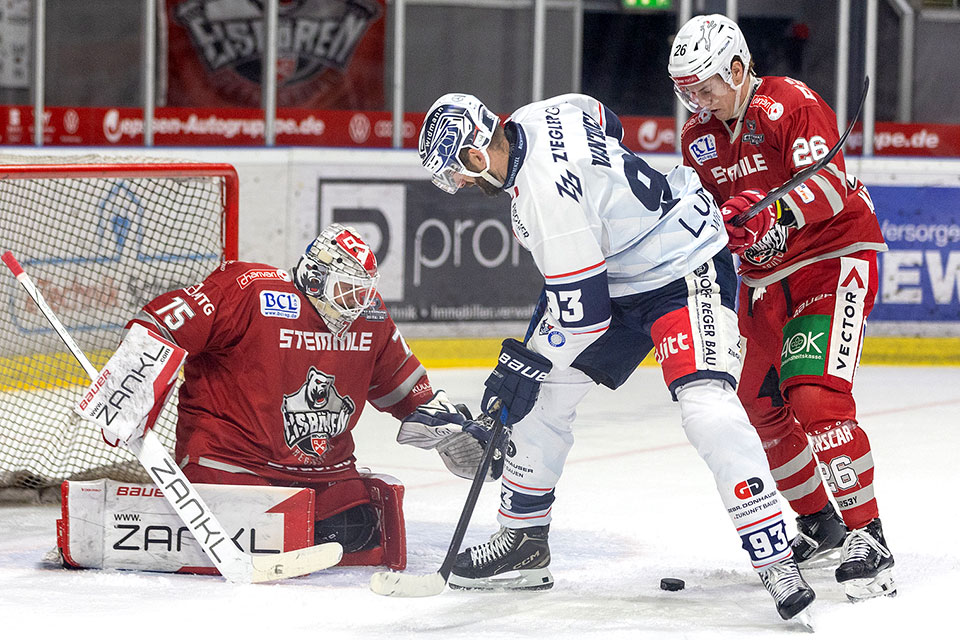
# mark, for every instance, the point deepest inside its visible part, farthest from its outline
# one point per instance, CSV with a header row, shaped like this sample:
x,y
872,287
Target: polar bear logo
x,y
314,413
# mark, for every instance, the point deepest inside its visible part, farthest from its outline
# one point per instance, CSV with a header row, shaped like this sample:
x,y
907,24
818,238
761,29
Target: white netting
x,y
98,247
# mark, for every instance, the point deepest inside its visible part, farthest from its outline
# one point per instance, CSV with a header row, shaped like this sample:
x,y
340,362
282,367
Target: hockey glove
x,y
514,384
448,428
742,238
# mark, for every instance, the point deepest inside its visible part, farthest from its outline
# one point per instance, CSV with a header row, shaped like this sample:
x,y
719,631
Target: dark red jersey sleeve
x,y
400,383
188,316
807,131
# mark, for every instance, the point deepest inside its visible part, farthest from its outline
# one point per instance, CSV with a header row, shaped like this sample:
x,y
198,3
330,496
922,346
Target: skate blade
x,y
528,580
805,620
867,588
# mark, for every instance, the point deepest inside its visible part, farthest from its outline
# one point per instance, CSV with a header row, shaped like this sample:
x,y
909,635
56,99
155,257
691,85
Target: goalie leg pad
x,y
118,525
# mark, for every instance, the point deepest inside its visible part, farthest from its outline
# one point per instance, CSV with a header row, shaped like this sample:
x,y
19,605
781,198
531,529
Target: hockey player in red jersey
x,y
809,280
279,369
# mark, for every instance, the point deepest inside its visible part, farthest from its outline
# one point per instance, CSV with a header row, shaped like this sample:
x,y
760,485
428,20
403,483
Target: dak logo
x,y
704,148
314,413
748,488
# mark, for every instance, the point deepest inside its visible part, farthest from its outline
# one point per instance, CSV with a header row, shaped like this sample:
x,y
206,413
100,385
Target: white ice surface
x,y
635,504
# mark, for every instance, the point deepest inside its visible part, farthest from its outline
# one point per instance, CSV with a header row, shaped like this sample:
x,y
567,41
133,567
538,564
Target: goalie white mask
x,y
456,121
338,274
703,48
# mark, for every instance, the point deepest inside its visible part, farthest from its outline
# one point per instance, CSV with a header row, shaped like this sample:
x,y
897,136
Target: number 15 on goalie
x,y
233,564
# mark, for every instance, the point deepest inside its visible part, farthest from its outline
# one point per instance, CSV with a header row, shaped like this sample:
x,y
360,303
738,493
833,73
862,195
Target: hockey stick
x,y
387,583
801,176
234,564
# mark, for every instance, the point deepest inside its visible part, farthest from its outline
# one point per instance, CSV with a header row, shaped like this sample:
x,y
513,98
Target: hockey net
x,y
99,240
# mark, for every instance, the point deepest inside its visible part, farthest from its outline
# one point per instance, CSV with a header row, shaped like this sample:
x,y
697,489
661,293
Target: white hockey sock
x,y
717,426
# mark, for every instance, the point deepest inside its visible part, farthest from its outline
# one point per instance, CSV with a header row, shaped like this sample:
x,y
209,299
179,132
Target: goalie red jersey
x,y
786,128
268,389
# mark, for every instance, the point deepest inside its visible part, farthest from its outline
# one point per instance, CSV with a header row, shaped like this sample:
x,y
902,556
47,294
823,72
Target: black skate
x,y
866,563
818,536
788,588
512,559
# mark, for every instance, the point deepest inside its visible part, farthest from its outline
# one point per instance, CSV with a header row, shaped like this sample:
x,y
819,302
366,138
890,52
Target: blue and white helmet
x,y
454,122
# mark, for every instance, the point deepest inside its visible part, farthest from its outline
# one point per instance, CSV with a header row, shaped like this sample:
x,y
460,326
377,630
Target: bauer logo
x,y
704,148
280,304
748,488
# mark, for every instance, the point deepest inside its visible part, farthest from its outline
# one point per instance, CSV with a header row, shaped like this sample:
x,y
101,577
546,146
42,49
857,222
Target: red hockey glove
x,y
741,238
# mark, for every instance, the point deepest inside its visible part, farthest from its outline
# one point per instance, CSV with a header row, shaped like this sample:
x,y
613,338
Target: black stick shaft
x,y
471,502
801,176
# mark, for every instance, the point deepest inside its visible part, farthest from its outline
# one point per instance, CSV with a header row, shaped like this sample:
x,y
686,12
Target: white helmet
x,y
338,274
454,122
705,46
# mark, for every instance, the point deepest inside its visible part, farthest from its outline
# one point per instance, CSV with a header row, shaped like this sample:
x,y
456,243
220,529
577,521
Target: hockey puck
x,y
671,584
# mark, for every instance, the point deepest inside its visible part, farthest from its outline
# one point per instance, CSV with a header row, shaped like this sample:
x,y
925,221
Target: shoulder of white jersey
x,y
606,118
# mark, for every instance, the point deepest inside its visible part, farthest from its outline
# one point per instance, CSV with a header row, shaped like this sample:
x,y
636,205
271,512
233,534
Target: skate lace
x,y
499,544
858,544
782,579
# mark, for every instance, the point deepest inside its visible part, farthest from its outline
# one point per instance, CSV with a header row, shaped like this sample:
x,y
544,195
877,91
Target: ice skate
x,y
788,588
866,564
819,537
512,559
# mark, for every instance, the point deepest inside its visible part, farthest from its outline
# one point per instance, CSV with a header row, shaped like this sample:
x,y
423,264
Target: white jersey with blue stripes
x,y
599,222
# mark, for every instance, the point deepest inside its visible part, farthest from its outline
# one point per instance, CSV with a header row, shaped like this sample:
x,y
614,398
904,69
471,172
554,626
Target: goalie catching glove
x,y
127,397
460,440
742,238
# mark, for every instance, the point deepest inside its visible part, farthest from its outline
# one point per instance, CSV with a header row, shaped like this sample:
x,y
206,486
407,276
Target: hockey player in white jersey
x,y
632,260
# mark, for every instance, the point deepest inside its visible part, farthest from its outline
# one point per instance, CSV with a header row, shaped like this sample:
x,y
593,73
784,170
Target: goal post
x,y
101,239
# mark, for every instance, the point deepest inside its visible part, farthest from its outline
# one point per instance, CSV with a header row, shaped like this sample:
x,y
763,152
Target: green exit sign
x,y
647,4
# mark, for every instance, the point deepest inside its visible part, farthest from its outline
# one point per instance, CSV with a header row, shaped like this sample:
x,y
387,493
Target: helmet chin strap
x,y
485,174
741,107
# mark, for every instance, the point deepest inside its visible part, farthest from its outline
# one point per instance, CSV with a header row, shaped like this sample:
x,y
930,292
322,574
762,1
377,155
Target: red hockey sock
x,y
791,460
842,447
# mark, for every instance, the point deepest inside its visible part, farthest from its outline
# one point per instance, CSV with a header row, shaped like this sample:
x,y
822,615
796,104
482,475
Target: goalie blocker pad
x,y
107,524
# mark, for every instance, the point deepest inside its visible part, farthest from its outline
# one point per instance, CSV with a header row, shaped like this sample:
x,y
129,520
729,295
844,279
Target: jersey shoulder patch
x,y
779,96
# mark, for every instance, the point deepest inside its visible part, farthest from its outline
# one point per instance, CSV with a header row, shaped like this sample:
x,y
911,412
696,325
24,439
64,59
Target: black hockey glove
x,y
515,382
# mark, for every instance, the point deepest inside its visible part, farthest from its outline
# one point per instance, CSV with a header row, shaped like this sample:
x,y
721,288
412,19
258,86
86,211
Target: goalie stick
x,y
234,564
801,176
386,583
